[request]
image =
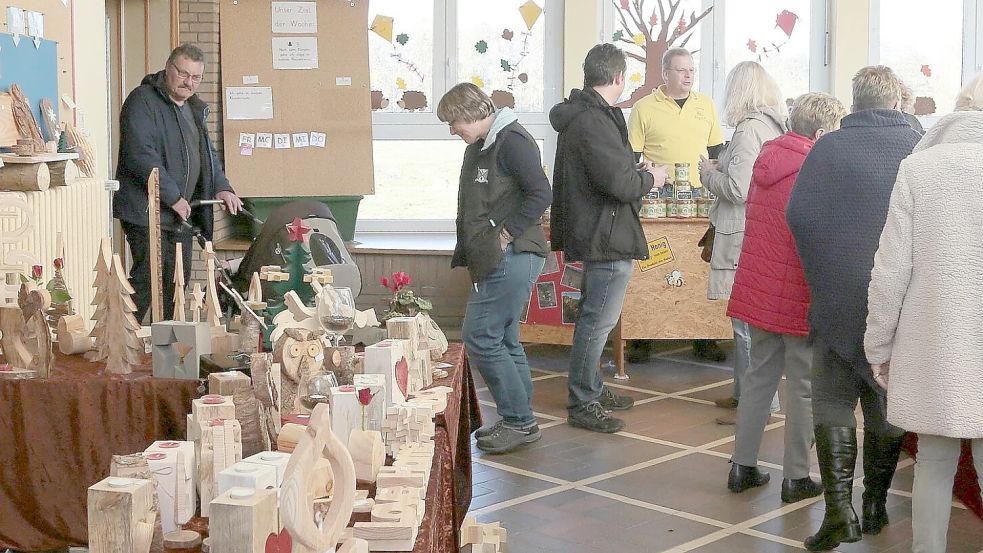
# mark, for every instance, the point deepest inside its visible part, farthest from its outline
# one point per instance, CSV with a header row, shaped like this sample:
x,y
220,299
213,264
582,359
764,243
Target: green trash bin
x,y
344,209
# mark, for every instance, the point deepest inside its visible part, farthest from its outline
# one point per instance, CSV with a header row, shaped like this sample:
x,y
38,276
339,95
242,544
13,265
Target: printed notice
x,y
281,141
295,17
264,140
295,52
659,254
249,102
301,140
317,139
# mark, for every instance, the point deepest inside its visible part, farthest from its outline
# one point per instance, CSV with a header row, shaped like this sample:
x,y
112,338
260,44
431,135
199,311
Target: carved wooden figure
x,y
25,337
296,504
266,388
197,297
300,354
121,515
241,519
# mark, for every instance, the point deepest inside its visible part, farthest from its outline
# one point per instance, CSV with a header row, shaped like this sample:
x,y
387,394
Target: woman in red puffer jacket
x,y
771,294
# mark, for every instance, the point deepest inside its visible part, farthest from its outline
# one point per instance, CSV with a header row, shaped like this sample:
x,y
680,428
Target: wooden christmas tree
x,y
115,331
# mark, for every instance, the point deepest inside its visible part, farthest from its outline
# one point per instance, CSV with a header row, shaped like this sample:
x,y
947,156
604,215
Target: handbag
x,y
707,243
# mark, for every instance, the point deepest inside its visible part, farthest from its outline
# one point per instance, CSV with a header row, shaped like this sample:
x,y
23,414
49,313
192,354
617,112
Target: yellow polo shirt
x,y
667,134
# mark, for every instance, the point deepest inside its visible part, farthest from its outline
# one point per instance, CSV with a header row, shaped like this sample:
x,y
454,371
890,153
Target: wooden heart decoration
x,y
279,543
403,375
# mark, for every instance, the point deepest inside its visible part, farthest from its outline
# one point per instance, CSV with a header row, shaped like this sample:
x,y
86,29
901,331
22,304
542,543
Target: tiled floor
x,y
660,485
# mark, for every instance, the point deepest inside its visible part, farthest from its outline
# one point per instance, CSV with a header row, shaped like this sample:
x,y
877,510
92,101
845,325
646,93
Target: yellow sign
x,y
659,254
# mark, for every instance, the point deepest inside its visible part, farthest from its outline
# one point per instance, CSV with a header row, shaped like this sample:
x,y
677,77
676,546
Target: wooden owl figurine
x,y
300,353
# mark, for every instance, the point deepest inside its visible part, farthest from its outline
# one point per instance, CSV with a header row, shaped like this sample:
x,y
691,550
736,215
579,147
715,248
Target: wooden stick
x,y
156,265
179,282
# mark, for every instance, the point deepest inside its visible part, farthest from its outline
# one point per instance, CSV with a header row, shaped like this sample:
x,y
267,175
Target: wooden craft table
x,y
659,306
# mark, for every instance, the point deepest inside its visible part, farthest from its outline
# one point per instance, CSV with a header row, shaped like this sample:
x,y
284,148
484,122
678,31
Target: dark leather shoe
x,y
744,478
796,490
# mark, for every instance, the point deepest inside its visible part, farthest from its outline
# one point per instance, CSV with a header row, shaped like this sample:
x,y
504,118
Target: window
x,y
933,51
788,37
512,49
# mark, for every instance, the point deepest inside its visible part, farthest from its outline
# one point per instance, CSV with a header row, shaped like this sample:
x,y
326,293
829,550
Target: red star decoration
x,y
297,230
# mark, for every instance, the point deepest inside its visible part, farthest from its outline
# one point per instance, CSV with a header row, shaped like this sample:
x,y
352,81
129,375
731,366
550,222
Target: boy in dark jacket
x,y
836,214
597,192
162,125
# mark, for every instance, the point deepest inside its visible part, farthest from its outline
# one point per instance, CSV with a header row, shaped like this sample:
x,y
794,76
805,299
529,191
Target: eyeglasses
x,y
184,76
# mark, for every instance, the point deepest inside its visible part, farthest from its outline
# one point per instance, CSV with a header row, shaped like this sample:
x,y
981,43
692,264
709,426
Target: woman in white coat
x,y
756,108
925,306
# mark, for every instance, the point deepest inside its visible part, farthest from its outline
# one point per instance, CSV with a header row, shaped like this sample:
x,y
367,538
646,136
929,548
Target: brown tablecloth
x,y
57,437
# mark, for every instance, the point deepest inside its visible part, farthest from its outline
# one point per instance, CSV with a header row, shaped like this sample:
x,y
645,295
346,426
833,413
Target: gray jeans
x,y
931,494
742,359
771,356
602,296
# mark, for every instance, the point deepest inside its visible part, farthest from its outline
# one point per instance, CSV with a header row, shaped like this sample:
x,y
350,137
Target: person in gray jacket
x,y
502,194
756,108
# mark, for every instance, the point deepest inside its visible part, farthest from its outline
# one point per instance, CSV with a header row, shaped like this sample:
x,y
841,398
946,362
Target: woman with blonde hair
x,y
755,107
925,303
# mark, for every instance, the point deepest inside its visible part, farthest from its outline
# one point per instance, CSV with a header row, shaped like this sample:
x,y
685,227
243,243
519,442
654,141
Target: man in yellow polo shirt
x,y
672,125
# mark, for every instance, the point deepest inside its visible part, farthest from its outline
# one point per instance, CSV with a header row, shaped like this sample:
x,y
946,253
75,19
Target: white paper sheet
x,y
281,141
16,21
264,140
317,139
249,102
298,52
35,24
301,140
295,17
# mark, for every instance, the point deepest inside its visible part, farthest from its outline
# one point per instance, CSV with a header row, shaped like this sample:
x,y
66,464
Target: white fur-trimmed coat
x,y
925,298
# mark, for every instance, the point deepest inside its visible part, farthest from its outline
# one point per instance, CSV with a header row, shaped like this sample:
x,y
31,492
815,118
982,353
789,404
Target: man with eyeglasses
x,y
675,124
162,125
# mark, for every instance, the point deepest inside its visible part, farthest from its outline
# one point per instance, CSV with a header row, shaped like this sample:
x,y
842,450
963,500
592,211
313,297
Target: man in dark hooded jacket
x,y
162,125
597,192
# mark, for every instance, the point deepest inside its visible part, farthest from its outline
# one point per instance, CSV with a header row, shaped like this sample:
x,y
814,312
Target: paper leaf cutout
x,y
639,39
926,70
681,27
382,25
624,4
653,21
752,45
786,22
636,77
400,83
523,78
402,39
481,46
506,66
530,13
477,81
618,35
507,34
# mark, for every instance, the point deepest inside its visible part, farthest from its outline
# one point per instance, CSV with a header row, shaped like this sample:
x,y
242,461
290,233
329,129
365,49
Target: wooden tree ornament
x,y
115,331
197,297
213,311
179,282
296,503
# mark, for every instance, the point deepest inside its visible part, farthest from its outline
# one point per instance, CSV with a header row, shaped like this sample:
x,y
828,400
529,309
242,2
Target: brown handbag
x,y
707,243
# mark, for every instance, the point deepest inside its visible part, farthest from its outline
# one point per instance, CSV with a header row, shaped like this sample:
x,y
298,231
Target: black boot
x,y
796,490
744,478
836,447
880,460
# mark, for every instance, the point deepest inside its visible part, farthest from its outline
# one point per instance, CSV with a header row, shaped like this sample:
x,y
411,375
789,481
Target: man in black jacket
x,y
162,125
597,192
836,214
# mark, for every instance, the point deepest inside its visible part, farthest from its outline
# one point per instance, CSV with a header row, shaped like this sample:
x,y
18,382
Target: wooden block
x,y
34,177
211,407
368,453
247,475
375,411
226,383
405,328
480,548
414,464
173,466
242,519
390,476
14,374
341,362
72,335
394,527
346,412
184,540
121,515
276,459
289,436
221,447
63,173
388,359
178,347
130,466
400,494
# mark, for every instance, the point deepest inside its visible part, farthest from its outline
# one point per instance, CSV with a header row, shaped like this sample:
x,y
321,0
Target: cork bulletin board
x,y
296,111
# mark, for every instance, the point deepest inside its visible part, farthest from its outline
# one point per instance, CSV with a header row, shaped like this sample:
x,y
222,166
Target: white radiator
x,y
79,212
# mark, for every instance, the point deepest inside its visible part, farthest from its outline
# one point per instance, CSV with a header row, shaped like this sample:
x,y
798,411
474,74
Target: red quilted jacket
x,y
770,290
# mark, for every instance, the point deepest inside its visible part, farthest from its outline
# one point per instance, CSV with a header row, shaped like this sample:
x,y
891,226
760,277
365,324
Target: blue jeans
x,y
602,296
491,334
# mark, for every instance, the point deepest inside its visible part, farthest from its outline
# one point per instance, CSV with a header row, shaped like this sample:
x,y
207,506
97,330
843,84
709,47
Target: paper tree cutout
x,y
382,25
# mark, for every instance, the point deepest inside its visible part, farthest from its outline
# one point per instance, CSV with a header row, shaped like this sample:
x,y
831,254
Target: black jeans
x,y
139,240
837,384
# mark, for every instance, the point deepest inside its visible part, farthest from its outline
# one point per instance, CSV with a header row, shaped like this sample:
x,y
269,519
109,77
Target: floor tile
x,y
492,485
741,542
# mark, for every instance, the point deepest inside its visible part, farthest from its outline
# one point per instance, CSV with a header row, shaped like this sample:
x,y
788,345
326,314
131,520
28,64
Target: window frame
x,y
972,51
426,126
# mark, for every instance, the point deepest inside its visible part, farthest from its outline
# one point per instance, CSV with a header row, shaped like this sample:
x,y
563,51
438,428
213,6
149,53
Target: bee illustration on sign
x,y
675,279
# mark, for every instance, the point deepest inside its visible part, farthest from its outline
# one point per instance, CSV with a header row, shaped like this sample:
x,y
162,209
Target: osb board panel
x,y
656,309
57,27
653,308
304,100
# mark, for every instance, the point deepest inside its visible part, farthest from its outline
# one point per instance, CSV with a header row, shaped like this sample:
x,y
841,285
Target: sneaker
x,y
504,439
708,350
487,430
595,418
726,403
613,402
